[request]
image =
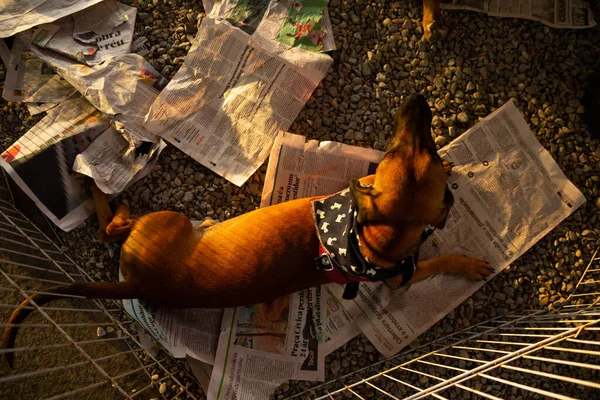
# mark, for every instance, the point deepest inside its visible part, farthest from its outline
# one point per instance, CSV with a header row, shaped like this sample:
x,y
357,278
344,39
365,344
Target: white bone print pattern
x,y
336,206
340,217
371,272
342,252
331,240
321,214
325,226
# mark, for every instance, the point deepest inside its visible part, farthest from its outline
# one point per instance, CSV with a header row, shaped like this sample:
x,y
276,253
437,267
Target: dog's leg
x,y
121,224
103,212
431,15
471,267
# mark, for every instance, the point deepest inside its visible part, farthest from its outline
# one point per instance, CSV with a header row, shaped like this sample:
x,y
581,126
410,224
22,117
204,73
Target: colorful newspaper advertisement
x,y
508,192
232,95
19,15
572,14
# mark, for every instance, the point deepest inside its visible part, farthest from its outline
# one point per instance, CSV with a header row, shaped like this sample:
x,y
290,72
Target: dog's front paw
x,y
433,31
471,267
447,167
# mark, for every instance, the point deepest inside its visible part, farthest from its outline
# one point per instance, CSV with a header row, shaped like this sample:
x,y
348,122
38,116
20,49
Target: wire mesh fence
x,y
523,355
58,354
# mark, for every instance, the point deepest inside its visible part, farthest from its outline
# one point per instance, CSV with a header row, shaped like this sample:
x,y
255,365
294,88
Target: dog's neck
x,y
384,246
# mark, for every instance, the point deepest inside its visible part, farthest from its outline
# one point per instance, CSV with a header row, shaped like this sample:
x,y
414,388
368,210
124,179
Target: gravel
x,y
481,64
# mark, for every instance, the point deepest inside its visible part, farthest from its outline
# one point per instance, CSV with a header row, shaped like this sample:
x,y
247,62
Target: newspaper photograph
x,y
508,192
19,15
227,102
571,14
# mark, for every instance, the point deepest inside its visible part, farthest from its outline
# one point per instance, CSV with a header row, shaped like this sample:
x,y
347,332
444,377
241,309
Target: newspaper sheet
x,y
31,80
41,161
113,161
183,333
231,96
122,87
262,346
573,14
20,15
508,192
84,36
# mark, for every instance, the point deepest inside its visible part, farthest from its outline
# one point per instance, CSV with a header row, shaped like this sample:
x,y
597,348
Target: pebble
x,y
100,332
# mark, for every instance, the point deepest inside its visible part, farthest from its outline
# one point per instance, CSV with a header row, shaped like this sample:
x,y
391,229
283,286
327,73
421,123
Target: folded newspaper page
x,y
232,95
122,87
40,162
19,15
573,14
508,192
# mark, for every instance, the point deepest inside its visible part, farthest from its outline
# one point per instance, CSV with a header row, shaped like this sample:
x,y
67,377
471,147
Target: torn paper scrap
x,y
227,102
19,15
112,161
496,161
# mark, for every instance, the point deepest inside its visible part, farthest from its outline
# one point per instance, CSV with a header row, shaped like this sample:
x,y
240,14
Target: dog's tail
x,y
90,290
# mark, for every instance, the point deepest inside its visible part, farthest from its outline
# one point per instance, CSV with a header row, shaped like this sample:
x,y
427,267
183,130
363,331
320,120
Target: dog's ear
x,y
362,197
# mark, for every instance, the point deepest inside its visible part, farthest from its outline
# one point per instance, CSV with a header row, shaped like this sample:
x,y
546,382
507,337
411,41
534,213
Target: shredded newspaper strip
x,y
572,14
19,15
233,93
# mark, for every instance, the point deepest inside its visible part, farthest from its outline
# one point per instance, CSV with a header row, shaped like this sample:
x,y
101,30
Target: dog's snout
x,y
415,104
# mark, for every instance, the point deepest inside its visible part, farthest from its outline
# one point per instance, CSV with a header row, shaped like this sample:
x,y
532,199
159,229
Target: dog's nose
x,y
416,102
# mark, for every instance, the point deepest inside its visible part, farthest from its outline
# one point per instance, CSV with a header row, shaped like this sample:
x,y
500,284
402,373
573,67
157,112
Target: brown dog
x,y
268,253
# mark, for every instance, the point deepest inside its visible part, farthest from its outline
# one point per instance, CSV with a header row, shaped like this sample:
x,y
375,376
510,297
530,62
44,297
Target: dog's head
x,y
408,190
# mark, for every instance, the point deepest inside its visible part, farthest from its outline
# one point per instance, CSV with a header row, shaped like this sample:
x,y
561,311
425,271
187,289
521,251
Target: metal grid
x,y
531,354
58,353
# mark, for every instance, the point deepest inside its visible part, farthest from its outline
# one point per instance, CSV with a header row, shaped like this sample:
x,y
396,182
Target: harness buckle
x,y
324,262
